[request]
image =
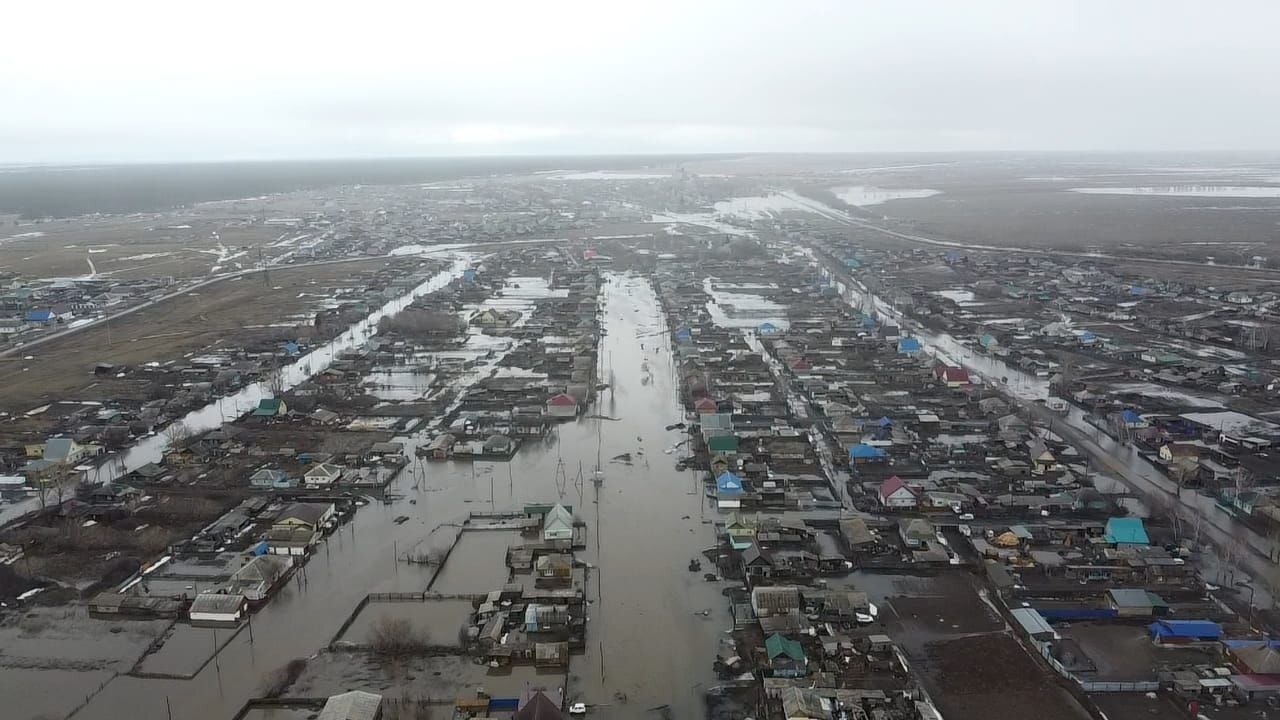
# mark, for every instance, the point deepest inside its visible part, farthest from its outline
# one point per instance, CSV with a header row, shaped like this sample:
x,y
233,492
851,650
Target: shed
x,y
1136,602
1175,632
217,609
1033,624
354,705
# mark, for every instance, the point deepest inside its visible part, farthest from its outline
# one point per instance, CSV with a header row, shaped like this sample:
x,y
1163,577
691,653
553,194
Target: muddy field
x,y
1029,202
1005,683
133,247
227,313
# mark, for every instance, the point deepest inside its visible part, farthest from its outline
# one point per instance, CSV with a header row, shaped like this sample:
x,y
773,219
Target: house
x,y
562,405
953,377
538,707
909,346
322,475
896,494
65,451
269,479
553,570
1042,460
864,453
805,704
1184,632
771,600
44,317
500,445
1125,531
728,483
755,563
915,532
441,446
259,577
722,444
1256,658
706,406
270,408
557,524
217,609
116,494
298,527
354,705
1173,452
767,328
1136,602
786,656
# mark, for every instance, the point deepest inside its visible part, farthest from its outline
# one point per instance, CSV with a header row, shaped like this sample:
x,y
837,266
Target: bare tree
x,y
1166,506
397,636
177,435
274,383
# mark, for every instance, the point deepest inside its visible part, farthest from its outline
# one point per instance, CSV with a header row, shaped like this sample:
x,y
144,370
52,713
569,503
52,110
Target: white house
x,y
322,475
895,493
213,608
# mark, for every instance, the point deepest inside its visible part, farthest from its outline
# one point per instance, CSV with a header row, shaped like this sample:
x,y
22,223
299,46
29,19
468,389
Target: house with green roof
x,y
270,408
786,656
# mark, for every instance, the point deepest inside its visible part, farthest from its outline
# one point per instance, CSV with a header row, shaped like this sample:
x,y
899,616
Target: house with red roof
x,y
895,493
954,377
562,406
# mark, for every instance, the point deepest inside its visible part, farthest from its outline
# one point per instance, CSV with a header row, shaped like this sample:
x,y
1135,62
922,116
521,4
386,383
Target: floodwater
x,y
1192,191
434,616
865,195
477,563
645,521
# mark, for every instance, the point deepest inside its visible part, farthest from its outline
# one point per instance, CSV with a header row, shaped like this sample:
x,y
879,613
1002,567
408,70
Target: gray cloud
x,y
165,81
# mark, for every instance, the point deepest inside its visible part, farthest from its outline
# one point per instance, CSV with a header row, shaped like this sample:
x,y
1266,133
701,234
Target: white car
x,y
578,709
967,516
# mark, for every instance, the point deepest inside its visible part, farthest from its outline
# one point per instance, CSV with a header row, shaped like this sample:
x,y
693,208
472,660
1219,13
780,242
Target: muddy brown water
x,y
645,644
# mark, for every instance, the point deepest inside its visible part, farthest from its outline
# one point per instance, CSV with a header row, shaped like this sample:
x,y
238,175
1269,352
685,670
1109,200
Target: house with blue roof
x,y
1126,531
684,335
909,346
40,316
469,275
864,453
1184,632
1088,338
728,483
767,328
1132,419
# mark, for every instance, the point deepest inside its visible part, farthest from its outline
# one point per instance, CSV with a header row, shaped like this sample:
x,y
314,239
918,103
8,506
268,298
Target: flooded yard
x,y
477,563
440,619
29,694
185,650
433,678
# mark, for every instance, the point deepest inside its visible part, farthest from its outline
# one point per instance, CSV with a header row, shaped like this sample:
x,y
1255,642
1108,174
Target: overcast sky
x,y
137,81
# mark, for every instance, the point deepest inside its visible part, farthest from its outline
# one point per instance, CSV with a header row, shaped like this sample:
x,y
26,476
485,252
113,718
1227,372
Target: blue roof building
x,y
684,334
863,451
767,328
1126,531
909,346
728,484
469,275
39,315
1184,631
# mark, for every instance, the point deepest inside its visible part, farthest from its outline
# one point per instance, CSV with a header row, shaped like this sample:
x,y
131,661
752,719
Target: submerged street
x,y
648,643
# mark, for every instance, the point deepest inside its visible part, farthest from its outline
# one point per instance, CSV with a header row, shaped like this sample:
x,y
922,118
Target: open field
x,y
228,313
137,246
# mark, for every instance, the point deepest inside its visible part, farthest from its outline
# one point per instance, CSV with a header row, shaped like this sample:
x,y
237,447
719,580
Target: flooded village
x,y
662,443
